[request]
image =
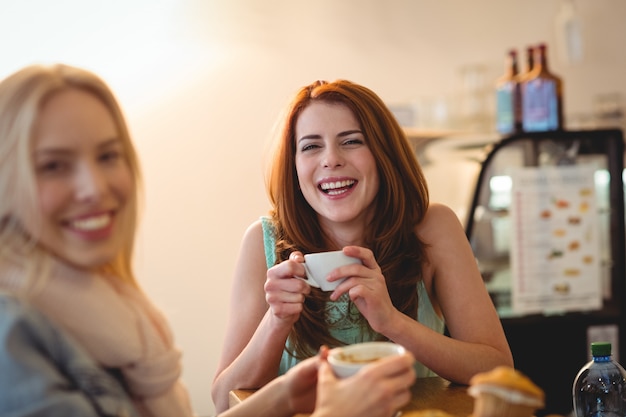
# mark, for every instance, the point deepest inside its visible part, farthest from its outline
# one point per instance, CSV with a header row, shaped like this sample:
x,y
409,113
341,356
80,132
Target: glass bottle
x,y
600,387
530,63
508,97
542,96
568,33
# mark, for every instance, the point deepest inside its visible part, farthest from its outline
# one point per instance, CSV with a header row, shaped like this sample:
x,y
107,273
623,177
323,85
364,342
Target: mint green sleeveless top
x,y
343,317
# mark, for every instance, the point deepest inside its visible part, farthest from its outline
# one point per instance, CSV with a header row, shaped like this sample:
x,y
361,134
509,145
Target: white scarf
x,y
117,324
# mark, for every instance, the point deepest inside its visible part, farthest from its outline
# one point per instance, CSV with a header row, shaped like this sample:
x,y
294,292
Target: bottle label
x,y
540,105
505,110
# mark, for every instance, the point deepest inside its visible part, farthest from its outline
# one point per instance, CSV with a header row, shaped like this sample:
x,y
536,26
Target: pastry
x,y
505,392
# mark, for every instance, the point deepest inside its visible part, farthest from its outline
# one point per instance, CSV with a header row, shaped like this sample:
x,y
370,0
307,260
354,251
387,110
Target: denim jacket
x,y
43,372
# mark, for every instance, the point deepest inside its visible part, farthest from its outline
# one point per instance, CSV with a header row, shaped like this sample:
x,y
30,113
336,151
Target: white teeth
x,y
92,223
335,192
337,184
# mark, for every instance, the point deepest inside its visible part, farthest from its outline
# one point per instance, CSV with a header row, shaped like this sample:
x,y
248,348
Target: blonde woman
x,y
69,181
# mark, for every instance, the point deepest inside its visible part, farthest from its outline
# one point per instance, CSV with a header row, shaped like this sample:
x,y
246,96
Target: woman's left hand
x,y
366,286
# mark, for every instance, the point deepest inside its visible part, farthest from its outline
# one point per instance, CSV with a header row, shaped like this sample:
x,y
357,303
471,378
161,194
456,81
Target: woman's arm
x,y
264,305
456,290
477,342
284,396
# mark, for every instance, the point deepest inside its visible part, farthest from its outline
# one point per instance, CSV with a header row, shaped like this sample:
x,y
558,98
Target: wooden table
x,y
428,393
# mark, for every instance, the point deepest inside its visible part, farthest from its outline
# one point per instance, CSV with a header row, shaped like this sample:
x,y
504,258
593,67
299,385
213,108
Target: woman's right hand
x,y
379,389
284,291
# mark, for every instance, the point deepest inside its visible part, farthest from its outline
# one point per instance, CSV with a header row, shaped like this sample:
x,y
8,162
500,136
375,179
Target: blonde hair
x,y
22,95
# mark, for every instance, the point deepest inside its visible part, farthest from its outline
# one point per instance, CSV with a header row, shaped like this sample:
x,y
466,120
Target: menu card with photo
x,y
555,248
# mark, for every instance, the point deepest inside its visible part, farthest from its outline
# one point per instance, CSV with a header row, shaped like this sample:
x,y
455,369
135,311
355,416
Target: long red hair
x,y
400,205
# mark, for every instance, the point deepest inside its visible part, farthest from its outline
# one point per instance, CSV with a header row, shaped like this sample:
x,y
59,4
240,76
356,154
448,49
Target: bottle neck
x,y
530,62
510,67
514,70
602,358
541,60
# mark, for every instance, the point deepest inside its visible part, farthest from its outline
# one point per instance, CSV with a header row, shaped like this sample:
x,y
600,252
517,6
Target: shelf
x,y
414,133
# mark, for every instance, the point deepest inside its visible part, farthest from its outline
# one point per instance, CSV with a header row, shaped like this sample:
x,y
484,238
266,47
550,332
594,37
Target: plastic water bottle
x,y
600,386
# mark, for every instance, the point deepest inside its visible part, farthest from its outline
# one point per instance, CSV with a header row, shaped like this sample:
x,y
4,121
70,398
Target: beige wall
x,y
202,82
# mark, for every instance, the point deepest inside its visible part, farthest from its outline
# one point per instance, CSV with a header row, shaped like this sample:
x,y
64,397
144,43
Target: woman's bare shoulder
x,y
438,218
253,236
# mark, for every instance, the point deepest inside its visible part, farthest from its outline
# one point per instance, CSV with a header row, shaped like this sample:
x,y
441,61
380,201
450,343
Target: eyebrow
x,y
63,151
341,134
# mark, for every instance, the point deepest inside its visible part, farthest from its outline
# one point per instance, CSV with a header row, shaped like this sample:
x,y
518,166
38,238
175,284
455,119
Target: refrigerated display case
x,y
546,223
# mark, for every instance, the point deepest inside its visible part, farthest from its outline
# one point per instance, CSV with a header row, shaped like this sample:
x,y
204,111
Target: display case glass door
x,y
546,225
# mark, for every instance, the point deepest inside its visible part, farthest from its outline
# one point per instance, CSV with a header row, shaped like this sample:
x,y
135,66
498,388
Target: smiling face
x,y
83,180
336,170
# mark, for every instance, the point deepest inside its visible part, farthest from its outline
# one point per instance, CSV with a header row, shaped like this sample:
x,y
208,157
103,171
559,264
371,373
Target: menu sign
x,y
555,248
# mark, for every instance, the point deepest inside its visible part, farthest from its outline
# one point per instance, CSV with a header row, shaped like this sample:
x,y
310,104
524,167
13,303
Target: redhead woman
x,y
344,177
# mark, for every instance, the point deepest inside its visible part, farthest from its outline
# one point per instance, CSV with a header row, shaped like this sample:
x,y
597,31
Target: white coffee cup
x,y
319,265
348,360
